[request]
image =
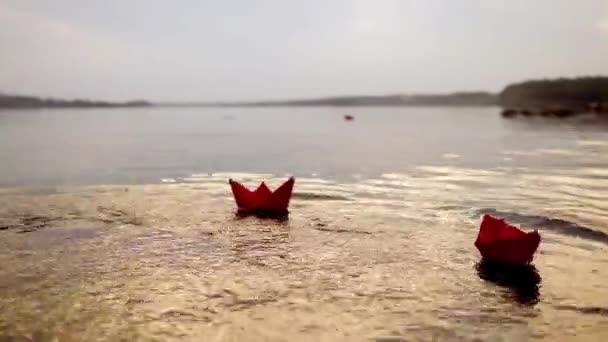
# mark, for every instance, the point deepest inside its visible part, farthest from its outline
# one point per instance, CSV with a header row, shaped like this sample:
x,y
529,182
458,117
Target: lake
x,y
119,224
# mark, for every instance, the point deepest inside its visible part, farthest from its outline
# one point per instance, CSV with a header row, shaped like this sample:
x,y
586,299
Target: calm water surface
x,y
118,224
145,145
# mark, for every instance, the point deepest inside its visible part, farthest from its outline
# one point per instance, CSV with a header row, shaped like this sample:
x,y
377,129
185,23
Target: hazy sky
x,y
270,49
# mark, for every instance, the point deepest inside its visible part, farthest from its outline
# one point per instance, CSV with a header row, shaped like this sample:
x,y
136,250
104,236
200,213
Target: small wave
x,y
560,179
588,310
558,152
520,153
600,173
592,143
340,230
307,196
451,156
242,176
557,225
194,179
450,171
44,191
314,181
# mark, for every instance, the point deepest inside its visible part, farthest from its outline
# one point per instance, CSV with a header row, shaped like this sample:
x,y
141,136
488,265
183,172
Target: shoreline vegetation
x,y
34,102
561,98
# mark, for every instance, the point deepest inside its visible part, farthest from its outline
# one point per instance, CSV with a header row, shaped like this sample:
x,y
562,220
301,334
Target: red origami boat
x,y
501,242
263,201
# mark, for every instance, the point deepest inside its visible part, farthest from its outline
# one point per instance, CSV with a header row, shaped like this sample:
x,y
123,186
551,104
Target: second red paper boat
x,y
501,242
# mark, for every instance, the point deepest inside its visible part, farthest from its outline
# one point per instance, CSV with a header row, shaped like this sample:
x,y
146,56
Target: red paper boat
x,y
263,201
498,241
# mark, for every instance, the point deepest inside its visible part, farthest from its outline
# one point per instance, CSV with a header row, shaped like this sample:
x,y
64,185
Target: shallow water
x,y
367,252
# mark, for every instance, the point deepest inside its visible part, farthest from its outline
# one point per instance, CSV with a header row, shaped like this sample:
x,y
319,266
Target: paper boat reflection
x,y
523,280
499,241
263,201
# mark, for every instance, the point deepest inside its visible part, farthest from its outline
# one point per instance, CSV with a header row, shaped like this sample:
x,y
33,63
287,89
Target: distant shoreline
x,y
562,97
453,99
33,102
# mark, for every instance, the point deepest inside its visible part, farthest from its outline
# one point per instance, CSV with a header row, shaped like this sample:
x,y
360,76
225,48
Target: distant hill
x,y
25,102
572,93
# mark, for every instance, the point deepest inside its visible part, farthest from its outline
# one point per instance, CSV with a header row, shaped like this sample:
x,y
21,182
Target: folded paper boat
x,y
263,201
501,242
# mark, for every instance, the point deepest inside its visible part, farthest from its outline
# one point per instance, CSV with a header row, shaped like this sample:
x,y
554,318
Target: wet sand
x,y
171,262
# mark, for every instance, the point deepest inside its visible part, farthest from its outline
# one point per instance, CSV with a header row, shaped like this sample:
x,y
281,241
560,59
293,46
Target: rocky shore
x,y
598,109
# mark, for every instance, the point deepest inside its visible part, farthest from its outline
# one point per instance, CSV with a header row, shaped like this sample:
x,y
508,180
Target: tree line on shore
x,y
25,102
559,97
